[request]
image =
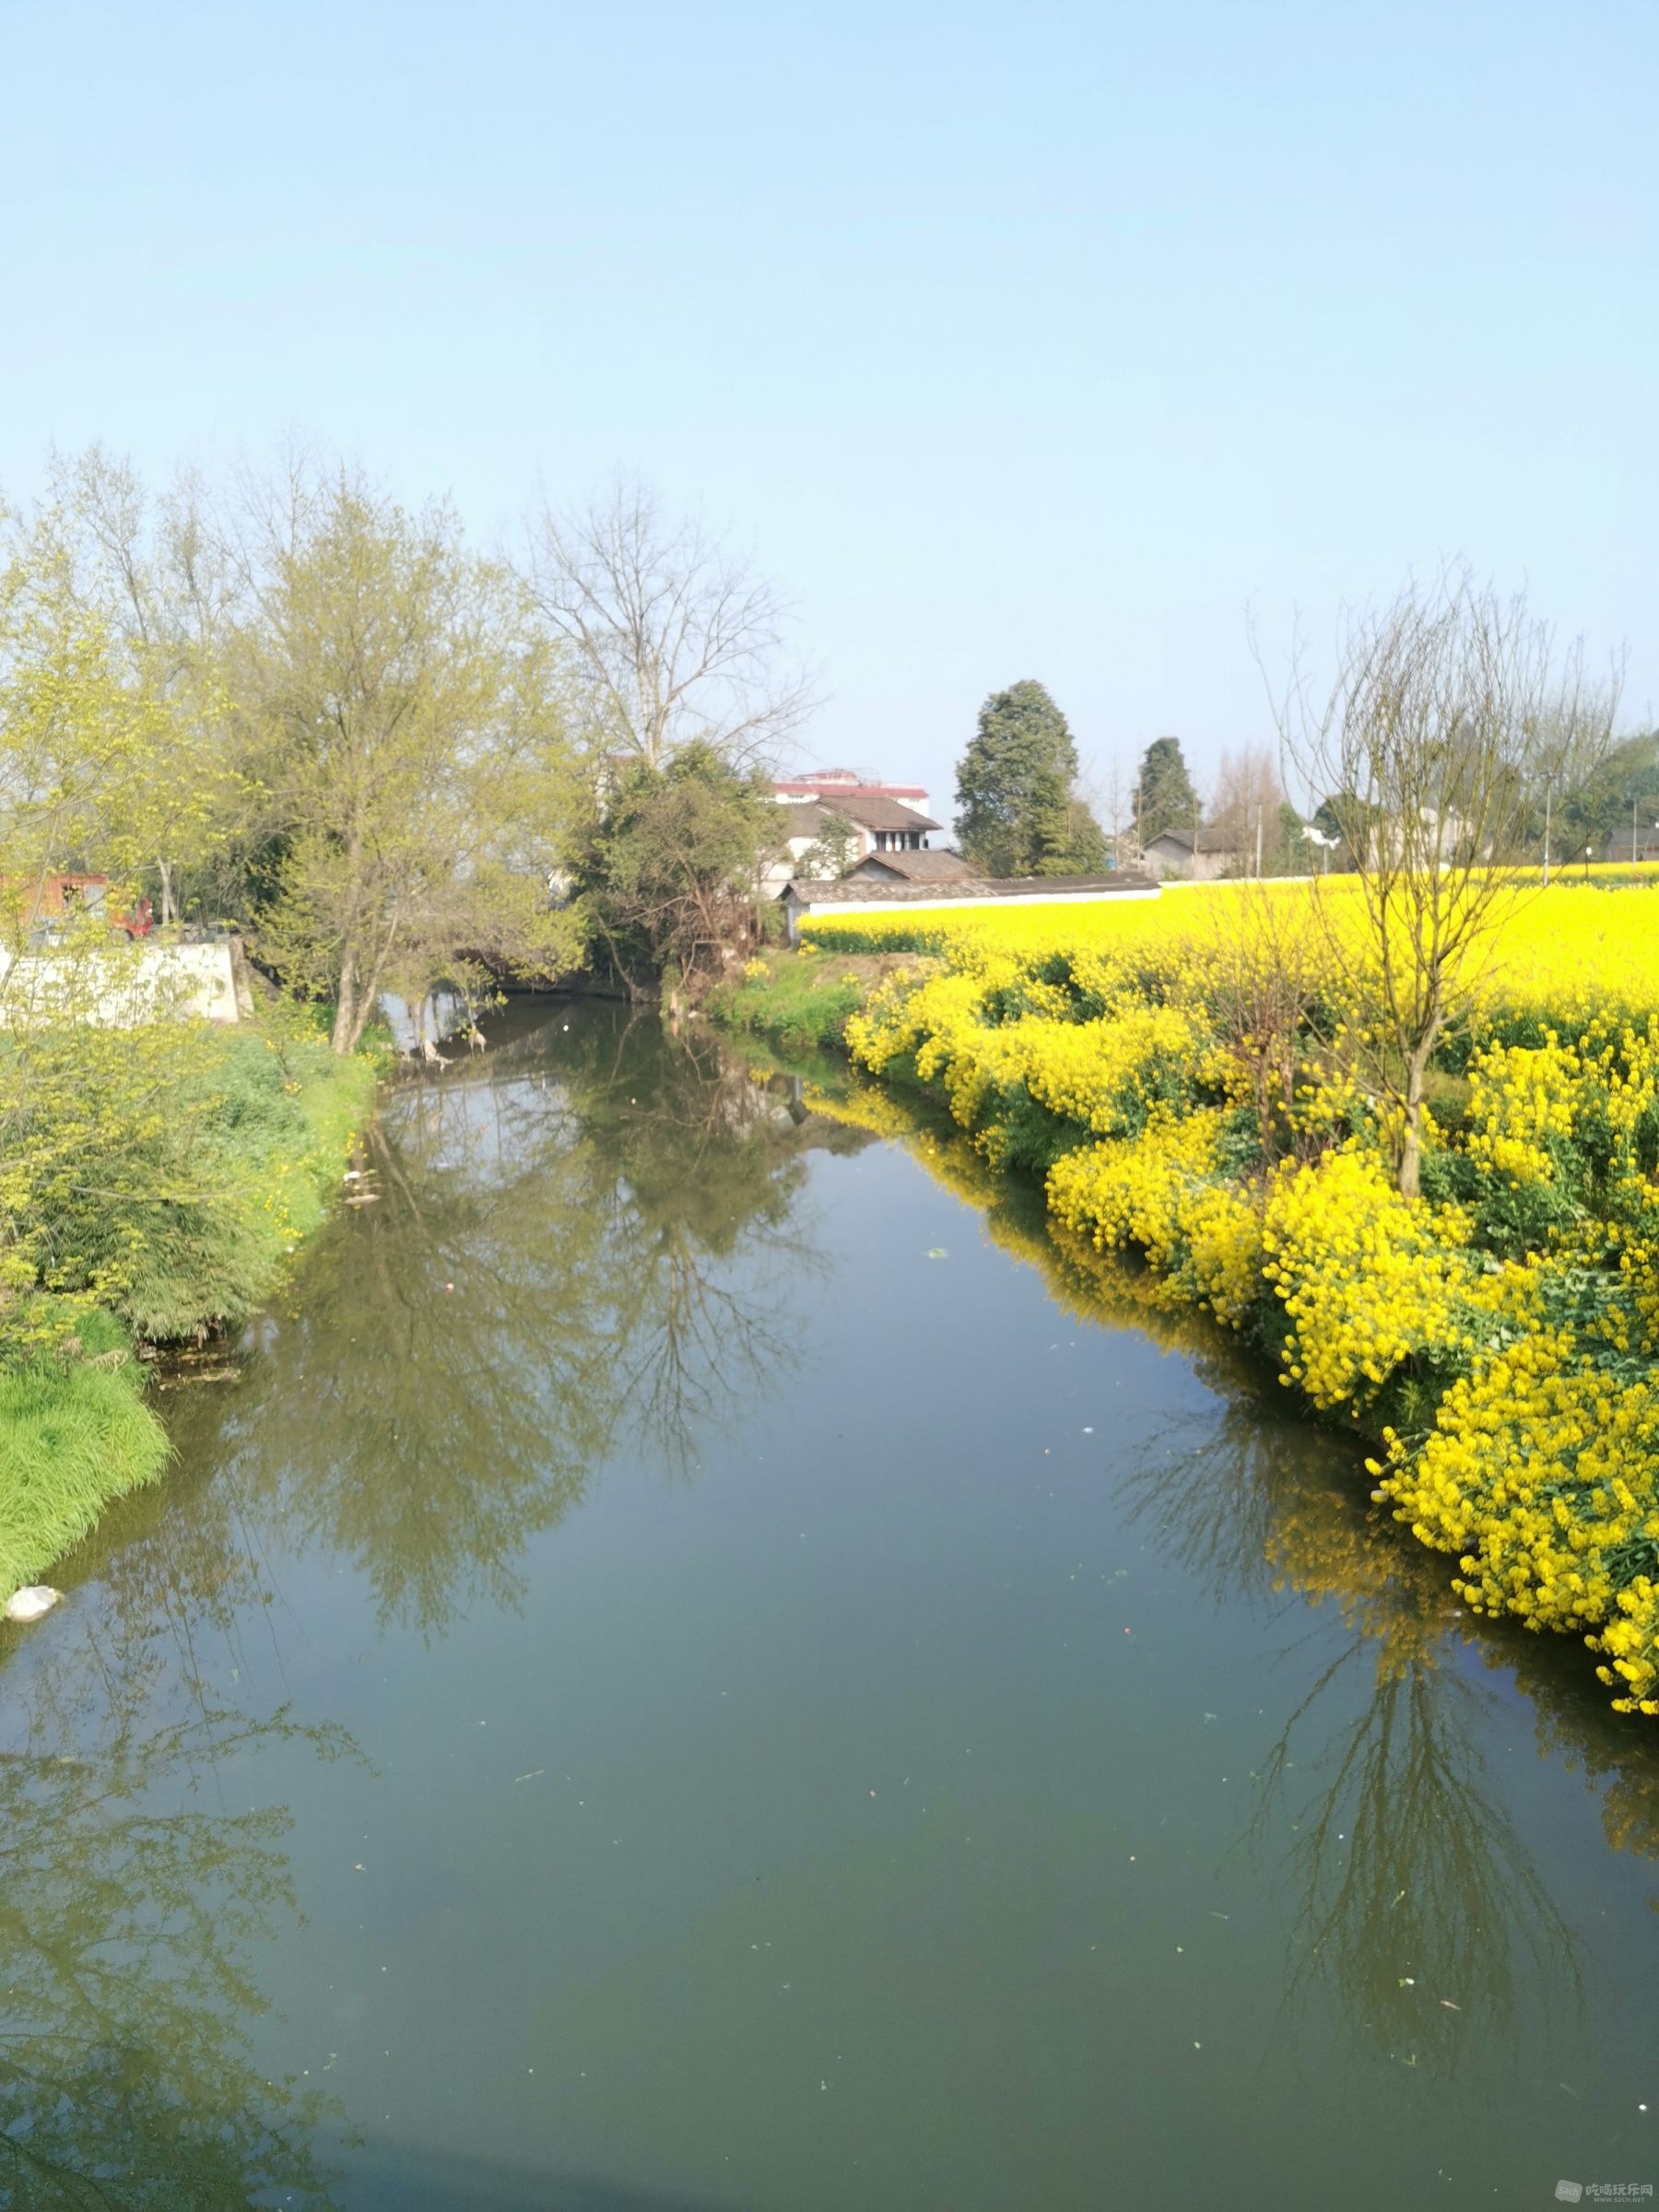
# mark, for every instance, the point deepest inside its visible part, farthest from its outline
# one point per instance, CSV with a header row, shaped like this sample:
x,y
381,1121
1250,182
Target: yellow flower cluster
x,y
1632,1641
1539,1475
1567,956
1519,1097
1368,1279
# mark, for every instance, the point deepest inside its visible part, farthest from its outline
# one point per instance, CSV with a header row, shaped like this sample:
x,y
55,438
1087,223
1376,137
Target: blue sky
x,y
1014,341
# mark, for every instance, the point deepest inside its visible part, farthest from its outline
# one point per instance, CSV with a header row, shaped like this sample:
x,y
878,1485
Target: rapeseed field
x,y
1200,1078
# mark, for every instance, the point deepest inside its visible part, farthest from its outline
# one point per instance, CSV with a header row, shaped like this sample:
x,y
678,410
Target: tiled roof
x,y
876,813
914,867
1207,841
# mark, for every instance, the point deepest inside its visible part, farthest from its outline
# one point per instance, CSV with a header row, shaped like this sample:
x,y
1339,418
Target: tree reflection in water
x,y
1410,1881
595,1210
131,1903
568,1252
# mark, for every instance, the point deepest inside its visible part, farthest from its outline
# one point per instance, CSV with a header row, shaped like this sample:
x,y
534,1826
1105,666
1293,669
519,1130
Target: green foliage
x,y
1600,809
159,1174
799,1000
666,875
157,1169
408,726
1165,798
1018,814
831,852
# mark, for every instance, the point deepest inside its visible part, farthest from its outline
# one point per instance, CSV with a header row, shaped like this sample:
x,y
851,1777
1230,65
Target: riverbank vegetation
x,y
154,1179
1190,1078
802,999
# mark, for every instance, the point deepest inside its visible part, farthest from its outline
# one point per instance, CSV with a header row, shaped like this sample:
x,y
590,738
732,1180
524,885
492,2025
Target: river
x,y
704,1661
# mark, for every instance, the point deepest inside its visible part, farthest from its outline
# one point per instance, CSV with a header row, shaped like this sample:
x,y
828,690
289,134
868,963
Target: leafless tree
x,y
1244,807
1450,711
678,636
1261,983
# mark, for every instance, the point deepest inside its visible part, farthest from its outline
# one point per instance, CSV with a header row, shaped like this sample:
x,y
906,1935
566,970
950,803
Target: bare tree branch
x,y
678,637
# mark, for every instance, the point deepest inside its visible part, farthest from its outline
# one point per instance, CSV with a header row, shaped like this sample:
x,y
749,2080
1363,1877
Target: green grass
x,y
74,1434
270,1117
800,1002
265,1157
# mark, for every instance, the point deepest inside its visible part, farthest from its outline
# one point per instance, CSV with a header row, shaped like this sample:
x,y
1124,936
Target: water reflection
x,y
563,1254
1415,1897
546,1264
132,1904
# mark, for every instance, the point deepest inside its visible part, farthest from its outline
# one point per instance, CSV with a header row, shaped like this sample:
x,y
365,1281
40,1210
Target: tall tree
x,y
111,748
154,572
676,637
1450,711
407,716
1164,797
1017,812
1250,814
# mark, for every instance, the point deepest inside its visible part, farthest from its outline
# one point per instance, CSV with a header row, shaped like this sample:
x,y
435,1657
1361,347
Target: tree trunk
x,y
1411,1139
170,912
341,1039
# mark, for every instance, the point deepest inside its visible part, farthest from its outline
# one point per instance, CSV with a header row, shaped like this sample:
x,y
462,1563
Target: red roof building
x,y
833,784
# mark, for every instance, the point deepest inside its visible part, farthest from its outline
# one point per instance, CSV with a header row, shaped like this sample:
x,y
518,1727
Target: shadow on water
x,y
547,1269
566,1251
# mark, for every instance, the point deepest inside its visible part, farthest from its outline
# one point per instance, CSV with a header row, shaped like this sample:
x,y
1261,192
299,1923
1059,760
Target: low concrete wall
x,y
126,985
795,914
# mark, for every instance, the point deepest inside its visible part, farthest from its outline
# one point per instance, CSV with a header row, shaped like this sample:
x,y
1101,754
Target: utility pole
x,y
1548,794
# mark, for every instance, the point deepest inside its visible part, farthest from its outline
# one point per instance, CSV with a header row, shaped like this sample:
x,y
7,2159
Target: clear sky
x,y
1014,340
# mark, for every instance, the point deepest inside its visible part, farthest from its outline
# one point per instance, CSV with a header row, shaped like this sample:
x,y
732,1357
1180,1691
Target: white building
x,y
885,817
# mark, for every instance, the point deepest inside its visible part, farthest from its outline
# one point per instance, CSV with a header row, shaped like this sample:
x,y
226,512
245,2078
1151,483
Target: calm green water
x,y
703,1663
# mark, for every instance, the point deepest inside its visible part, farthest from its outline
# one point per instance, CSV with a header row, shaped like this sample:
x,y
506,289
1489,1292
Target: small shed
x,y
1199,855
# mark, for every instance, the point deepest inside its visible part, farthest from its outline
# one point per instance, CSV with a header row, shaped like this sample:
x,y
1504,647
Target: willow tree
x,y
405,713
1449,708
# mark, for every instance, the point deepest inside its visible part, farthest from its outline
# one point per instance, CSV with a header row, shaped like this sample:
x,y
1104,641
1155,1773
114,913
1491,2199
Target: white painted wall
x,y
811,911
127,985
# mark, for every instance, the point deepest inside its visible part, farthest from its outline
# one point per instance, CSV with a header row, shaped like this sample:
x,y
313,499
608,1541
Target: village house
x,y
1201,856
909,867
883,818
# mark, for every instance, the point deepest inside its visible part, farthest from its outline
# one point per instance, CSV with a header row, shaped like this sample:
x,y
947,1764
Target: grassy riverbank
x,y
165,1211
800,1000
1177,1074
